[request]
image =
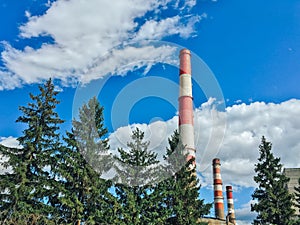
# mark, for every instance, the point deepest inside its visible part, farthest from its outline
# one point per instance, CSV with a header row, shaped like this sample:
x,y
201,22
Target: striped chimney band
x,y
230,205
186,124
218,193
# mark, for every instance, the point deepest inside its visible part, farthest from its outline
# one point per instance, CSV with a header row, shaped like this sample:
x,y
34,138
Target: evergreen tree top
x,y
274,202
90,134
137,165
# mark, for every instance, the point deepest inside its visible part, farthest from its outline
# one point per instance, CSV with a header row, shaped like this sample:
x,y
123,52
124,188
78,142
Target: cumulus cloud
x,y
238,150
88,40
246,124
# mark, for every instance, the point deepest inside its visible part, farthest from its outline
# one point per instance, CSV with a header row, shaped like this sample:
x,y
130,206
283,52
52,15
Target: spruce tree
x,y
297,200
26,192
274,203
86,158
136,168
90,135
181,189
297,194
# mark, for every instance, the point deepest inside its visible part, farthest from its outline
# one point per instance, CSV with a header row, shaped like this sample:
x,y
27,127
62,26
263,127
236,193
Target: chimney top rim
x,y
185,51
216,160
228,187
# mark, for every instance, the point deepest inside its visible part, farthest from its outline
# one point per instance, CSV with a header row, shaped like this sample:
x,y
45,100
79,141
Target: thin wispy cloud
x,y
89,39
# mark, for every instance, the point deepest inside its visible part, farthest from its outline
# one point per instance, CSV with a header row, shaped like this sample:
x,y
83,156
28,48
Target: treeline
x,y
54,178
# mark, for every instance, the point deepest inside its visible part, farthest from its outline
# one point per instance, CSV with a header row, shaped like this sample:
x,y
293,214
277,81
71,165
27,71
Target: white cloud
x,y
85,35
240,222
156,133
8,80
246,124
58,88
244,214
136,58
27,14
10,142
187,4
153,29
190,3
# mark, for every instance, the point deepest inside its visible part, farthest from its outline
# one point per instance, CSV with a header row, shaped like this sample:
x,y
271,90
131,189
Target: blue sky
x,y
251,49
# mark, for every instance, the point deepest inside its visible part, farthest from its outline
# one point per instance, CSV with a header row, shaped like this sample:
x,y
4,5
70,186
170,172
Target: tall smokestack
x,y
230,205
186,124
218,193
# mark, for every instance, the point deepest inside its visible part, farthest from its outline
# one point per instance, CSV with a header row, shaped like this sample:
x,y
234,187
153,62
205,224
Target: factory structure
x,y
293,174
186,131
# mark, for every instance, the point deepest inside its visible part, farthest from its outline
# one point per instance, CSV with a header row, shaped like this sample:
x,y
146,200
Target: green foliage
x,y
297,194
53,181
84,159
297,200
135,169
181,196
135,166
27,218
90,134
274,203
29,188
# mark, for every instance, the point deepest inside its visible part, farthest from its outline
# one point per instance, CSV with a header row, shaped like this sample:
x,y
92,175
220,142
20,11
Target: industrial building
x,y
294,175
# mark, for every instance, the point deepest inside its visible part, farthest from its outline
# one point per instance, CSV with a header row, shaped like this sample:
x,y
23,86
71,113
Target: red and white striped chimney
x,y
230,205
186,124
218,193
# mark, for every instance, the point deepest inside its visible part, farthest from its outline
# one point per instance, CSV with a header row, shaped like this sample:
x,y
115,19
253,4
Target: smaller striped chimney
x,y
230,205
218,193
